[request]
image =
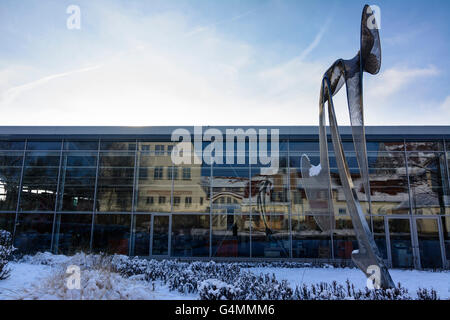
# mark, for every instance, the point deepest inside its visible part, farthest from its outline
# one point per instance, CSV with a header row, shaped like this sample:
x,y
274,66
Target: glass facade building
x,y
117,190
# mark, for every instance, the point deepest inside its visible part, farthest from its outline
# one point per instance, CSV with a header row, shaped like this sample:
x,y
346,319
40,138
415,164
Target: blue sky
x,y
199,62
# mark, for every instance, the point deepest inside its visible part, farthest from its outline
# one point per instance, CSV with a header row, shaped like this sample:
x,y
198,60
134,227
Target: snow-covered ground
x,y
35,281
30,279
410,279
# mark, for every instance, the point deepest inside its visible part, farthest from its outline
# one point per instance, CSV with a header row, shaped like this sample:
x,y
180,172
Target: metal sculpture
x,y
317,179
263,197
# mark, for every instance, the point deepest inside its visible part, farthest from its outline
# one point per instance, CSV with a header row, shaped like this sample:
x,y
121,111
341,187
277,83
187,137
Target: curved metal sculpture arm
x,y
349,72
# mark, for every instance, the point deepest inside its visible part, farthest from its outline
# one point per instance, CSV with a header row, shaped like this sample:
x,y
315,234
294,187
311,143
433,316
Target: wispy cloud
x,y
199,29
9,95
316,40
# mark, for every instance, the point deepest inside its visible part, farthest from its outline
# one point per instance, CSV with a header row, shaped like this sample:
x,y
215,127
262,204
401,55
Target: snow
x,y
410,279
43,276
315,170
33,281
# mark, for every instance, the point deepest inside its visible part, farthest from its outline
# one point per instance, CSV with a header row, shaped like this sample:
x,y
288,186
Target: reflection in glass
x,y
115,182
81,145
271,242
379,235
154,188
429,183
160,244
308,240
125,145
72,233
10,170
40,179
9,145
142,234
388,183
344,238
401,246
194,193
230,189
231,235
77,182
429,243
446,233
7,221
33,232
190,235
44,145
111,233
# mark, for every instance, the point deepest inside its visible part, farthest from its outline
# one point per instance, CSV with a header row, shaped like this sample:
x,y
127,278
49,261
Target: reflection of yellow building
x,y
156,176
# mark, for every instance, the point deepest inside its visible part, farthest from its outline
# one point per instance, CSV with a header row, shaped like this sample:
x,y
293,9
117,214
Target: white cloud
x,y
392,80
160,76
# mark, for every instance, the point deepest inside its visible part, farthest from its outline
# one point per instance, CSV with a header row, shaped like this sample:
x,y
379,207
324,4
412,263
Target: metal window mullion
x,y
56,196
94,205
172,190
251,205
289,199
133,202
388,240
59,199
211,173
447,171
19,191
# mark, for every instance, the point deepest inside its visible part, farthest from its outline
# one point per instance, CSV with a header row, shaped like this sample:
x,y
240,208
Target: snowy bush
x,y
6,249
213,289
425,294
334,291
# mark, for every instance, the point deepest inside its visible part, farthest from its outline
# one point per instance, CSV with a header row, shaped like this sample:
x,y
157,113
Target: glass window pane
x,y
112,233
33,232
230,189
270,236
379,235
160,243
10,170
424,146
385,146
401,245
142,234
388,183
154,190
129,145
115,182
7,222
72,233
12,145
231,235
192,194
308,240
429,243
344,239
77,183
446,231
190,235
40,179
302,146
44,145
81,145
429,183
